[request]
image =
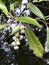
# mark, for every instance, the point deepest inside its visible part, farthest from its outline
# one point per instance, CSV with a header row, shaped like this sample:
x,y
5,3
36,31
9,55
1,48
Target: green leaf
x,y
15,30
34,43
37,0
16,3
1,2
35,10
12,7
4,9
48,36
28,20
2,26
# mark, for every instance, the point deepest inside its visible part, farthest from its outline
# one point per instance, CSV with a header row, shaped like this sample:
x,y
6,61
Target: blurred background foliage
x,y
9,2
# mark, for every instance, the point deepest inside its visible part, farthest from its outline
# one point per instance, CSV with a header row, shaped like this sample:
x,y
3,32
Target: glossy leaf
x,y
15,30
48,36
28,20
4,9
35,10
34,43
2,26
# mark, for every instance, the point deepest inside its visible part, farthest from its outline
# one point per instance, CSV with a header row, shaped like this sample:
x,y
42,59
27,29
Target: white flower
x,y
22,27
17,34
21,37
13,25
46,48
24,1
22,31
26,13
13,43
16,47
47,60
22,7
17,43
